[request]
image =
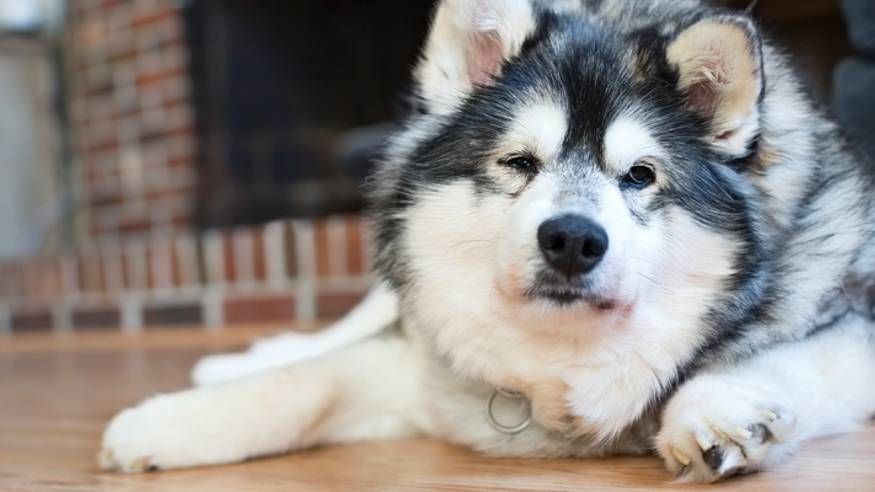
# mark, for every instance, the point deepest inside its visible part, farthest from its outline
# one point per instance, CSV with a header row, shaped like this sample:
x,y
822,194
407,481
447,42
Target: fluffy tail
x,y
377,311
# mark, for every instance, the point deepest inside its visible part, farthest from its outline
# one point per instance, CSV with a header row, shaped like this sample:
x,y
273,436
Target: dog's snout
x,y
572,244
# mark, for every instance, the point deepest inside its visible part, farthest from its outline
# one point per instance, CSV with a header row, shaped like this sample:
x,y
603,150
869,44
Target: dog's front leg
x,y
368,391
750,416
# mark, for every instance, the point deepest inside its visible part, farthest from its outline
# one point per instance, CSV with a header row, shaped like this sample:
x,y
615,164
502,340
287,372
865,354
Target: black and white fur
x,y
729,320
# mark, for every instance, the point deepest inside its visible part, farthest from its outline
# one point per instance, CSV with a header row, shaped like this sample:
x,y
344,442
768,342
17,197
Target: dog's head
x,y
570,170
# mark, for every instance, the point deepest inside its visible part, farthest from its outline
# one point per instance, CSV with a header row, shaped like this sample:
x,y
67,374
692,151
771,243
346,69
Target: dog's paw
x,y
130,442
716,427
153,436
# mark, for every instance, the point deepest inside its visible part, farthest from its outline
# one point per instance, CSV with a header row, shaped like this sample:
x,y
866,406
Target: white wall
x,y
27,148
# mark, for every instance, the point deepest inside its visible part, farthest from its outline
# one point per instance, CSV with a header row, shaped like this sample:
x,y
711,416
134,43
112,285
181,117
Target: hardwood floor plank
x,y
55,397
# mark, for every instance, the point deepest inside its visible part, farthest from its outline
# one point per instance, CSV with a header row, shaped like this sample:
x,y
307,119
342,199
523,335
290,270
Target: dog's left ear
x,y
469,43
719,64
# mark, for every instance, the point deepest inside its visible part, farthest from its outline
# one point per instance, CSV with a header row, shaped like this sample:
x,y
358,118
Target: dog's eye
x,y
523,163
640,176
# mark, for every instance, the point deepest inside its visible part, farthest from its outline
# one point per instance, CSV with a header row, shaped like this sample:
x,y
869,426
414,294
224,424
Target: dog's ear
x,y
719,64
470,41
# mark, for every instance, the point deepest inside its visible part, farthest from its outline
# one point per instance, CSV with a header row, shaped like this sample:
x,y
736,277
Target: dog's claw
x,y
713,457
723,430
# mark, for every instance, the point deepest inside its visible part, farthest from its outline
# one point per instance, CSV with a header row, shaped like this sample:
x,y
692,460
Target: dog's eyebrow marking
x,y
626,141
539,128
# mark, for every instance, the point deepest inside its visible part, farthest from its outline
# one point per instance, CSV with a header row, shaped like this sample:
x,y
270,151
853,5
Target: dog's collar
x,y
510,395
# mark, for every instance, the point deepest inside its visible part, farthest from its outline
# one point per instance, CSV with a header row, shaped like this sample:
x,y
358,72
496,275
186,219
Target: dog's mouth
x,y
566,296
564,292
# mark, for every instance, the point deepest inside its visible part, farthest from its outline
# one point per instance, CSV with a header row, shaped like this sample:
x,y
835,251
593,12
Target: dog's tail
x,y
375,313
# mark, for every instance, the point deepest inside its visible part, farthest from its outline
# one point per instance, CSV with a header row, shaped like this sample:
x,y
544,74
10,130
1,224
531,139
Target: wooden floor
x,y
57,393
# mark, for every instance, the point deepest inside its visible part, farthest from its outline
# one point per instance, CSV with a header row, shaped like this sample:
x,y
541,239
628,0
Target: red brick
x,y
181,145
103,200
119,15
121,50
189,314
153,75
181,222
12,283
335,305
176,91
124,75
321,248
100,106
173,189
97,318
259,261
354,246
78,114
32,319
135,226
98,78
103,165
187,260
150,274
90,273
143,19
112,262
160,261
136,266
42,278
260,309
29,278
105,4
180,162
108,217
165,132
228,258
175,268
102,145
123,265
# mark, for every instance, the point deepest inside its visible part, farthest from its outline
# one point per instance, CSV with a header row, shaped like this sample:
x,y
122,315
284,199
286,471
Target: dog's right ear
x,y
469,43
719,64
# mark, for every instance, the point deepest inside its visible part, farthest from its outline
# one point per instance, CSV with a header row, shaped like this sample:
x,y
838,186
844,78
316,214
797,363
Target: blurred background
x,y
199,163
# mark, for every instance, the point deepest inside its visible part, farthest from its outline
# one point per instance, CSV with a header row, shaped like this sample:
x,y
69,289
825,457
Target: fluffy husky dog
x,y
625,212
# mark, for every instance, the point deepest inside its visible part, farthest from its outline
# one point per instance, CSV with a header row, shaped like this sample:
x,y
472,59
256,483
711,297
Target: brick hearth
x,y
283,271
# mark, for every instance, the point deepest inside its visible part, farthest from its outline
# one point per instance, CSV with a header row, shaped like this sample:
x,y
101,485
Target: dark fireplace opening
x,y
294,99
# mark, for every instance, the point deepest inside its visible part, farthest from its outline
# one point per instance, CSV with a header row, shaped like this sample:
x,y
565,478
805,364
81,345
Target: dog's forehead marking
x,y
626,141
539,127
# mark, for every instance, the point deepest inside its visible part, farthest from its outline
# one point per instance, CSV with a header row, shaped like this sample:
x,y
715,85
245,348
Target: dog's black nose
x,y
572,244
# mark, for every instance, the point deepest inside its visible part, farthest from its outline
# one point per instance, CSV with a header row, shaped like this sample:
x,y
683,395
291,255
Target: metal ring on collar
x,y
505,429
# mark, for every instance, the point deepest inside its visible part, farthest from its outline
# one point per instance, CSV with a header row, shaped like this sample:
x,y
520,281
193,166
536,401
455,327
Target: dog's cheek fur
x,y
451,237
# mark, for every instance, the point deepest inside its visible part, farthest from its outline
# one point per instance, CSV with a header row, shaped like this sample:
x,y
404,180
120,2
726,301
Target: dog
x,y
608,227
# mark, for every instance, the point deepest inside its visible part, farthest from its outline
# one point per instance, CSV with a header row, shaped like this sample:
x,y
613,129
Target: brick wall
x,y
282,271
140,263
132,120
